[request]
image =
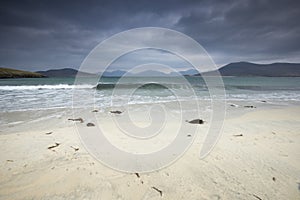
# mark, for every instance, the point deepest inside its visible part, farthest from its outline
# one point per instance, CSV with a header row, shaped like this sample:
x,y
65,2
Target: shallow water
x,y
49,93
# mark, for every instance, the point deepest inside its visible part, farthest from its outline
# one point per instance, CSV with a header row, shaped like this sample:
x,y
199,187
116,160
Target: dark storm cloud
x,y
251,30
49,34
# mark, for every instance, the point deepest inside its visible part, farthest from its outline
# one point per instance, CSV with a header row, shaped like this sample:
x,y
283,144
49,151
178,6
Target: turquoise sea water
x,y
47,93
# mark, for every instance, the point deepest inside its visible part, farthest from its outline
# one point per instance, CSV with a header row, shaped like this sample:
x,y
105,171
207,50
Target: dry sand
x,y
257,157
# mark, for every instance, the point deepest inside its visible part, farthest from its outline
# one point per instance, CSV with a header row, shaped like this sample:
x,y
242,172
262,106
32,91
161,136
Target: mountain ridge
x,y
279,69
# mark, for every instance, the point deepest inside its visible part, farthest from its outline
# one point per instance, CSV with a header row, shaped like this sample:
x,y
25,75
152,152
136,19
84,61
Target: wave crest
x,y
40,87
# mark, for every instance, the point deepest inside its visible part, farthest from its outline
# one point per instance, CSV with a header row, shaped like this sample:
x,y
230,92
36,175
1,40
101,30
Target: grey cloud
x,y
49,34
256,30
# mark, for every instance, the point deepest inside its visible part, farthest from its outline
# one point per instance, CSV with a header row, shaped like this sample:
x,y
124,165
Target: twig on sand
x,y
249,107
115,112
53,146
238,135
77,119
257,197
158,190
75,148
137,175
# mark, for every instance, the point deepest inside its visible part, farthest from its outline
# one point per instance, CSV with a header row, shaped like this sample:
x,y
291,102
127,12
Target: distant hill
x,y
116,73
13,73
252,69
154,73
66,72
232,69
189,72
69,72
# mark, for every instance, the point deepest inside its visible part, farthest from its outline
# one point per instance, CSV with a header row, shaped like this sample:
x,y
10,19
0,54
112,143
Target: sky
x,y
40,35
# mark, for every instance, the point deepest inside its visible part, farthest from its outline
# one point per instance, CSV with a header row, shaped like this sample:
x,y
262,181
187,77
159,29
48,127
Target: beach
x,y
256,157
146,100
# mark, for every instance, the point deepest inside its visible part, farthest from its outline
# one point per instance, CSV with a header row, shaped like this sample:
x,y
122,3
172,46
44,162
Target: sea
x,y
50,93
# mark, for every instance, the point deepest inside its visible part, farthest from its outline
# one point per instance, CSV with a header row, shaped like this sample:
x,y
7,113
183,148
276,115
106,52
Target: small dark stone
x,y
196,121
90,124
115,112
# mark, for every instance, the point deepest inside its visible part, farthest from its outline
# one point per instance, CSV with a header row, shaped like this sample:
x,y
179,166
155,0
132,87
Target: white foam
x,y
38,87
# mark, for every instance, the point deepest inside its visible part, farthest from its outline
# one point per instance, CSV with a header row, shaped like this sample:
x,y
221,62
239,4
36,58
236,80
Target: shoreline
x,y
11,120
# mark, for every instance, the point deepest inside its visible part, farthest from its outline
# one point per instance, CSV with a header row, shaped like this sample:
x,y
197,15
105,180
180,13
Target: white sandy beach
x,y
257,157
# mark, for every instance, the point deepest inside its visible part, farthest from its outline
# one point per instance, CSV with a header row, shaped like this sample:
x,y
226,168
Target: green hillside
x,y
13,73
